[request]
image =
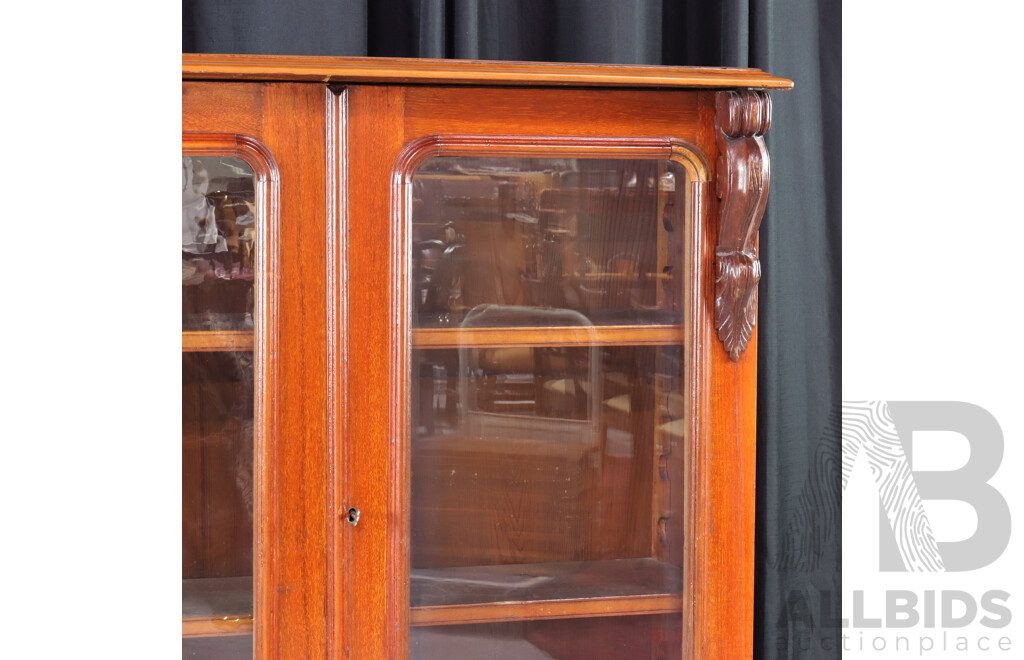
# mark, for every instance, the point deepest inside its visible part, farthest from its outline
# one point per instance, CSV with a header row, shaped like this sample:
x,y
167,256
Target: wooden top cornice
x,y
466,72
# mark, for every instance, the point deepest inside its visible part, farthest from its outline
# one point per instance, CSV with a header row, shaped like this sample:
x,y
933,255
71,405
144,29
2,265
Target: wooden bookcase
x,y
469,358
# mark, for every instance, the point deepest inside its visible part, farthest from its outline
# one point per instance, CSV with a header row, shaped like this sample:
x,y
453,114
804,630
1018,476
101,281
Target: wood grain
x,y
467,72
719,528
300,454
376,621
221,340
225,108
558,608
225,626
338,346
741,120
545,113
622,335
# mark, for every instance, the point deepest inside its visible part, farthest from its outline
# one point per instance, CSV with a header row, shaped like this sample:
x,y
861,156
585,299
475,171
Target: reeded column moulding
x,y
741,120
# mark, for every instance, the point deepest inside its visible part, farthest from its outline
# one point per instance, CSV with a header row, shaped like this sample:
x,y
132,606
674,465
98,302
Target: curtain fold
x,y
798,531
798,568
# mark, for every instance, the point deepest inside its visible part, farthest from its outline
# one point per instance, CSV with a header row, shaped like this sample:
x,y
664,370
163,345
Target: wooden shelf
x,y
561,590
609,335
217,648
223,340
216,607
605,335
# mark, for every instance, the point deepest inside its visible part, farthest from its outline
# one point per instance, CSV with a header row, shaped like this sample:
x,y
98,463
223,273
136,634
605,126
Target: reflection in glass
x,y
218,394
218,236
606,638
548,414
217,648
601,237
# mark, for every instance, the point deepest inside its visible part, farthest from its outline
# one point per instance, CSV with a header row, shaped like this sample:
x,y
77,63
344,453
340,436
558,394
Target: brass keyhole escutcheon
x,y
353,516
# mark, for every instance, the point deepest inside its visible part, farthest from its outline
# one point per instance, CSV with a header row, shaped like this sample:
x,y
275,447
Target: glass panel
x,y
605,638
218,395
218,236
217,648
548,233
548,409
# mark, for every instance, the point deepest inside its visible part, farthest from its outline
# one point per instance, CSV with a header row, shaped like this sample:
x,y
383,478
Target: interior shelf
x,y
216,607
606,335
609,335
217,648
558,590
221,340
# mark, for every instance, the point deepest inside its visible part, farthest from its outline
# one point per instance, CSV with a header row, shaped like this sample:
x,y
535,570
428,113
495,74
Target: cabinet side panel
x,y
294,132
723,591
375,140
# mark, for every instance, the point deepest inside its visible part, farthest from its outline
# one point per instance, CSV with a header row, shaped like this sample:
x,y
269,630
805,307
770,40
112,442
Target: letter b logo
x,y
883,431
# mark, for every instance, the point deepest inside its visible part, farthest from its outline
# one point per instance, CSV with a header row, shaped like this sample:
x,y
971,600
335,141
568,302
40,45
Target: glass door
x,y
548,407
218,273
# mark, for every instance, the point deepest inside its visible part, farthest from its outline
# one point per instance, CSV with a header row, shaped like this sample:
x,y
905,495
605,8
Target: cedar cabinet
x,y
468,358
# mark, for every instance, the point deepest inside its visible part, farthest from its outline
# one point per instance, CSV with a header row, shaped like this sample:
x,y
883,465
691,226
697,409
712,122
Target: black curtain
x,y
798,535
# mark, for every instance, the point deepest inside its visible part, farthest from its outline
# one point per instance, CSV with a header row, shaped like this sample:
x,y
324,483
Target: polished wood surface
x,y
608,116
741,121
221,340
376,575
299,461
613,335
720,457
465,72
257,122
555,608
215,114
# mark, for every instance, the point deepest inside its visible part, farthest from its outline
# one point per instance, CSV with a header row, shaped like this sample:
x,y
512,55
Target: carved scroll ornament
x,y
741,120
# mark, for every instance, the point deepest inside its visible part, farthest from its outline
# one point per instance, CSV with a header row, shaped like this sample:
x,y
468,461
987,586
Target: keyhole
x,y
353,516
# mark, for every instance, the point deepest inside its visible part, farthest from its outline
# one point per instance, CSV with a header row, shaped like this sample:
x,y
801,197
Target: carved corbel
x,y
741,120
